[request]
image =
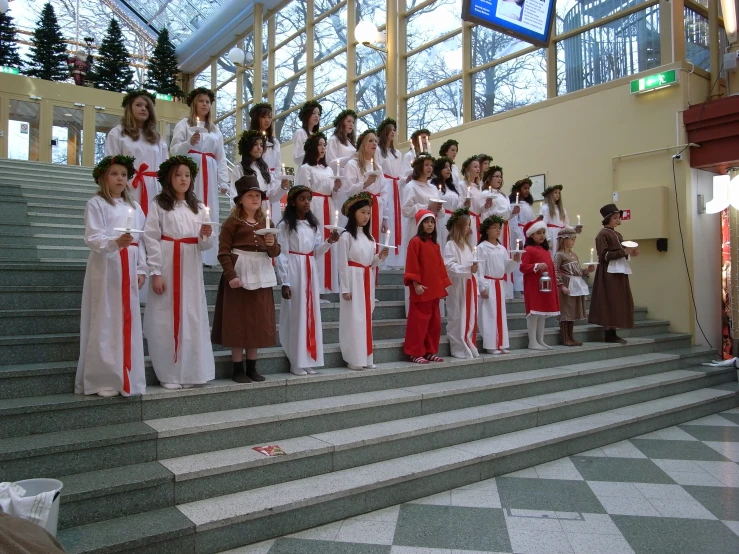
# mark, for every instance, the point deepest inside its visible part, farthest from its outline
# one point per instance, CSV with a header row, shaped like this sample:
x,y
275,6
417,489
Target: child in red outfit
x,y
426,276
535,261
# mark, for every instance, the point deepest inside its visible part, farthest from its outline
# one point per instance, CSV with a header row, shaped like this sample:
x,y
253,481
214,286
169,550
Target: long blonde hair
x,y
458,232
191,119
554,206
104,191
359,156
238,212
131,128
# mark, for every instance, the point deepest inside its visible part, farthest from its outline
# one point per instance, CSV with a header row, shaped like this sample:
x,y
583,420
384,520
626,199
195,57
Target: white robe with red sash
x,y
495,264
394,183
461,304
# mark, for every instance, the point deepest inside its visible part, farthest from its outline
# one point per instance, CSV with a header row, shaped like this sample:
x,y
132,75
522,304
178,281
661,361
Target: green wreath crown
x,y
131,94
484,158
259,106
244,139
295,190
491,171
103,165
342,115
551,189
459,212
308,108
422,157
200,90
468,161
361,137
445,147
489,222
362,196
314,138
521,182
175,161
415,134
385,122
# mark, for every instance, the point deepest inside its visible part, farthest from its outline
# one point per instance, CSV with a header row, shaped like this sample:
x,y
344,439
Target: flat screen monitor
x,y
529,20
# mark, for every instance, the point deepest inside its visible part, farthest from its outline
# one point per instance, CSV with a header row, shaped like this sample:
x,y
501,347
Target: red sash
x,y
555,226
327,256
177,280
476,224
506,243
498,310
138,179
470,298
126,298
396,204
204,166
375,215
367,305
310,316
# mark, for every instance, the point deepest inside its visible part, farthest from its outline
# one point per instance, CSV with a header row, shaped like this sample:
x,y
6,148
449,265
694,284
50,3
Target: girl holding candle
x,y
554,214
540,304
442,180
251,148
472,189
461,304
495,265
341,146
111,343
319,177
520,196
387,157
450,149
137,137
420,141
198,137
427,279
176,317
244,318
612,305
261,120
310,118
356,258
301,242
572,286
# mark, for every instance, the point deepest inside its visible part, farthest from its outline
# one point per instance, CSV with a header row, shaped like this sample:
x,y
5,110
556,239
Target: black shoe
x,y
251,371
239,376
618,339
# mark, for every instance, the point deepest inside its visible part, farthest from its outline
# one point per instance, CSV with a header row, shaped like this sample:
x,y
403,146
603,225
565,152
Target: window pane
x,y
66,134
370,91
224,70
289,20
623,47
510,85
489,45
437,109
228,126
572,14
230,150
697,40
286,126
371,10
370,120
330,35
332,105
202,79
265,35
321,6
433,21
104,122
290,94
290,58
329,74
226,98
435,64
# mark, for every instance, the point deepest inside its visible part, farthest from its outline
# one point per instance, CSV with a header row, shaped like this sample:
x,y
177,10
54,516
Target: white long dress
x,y
300,329
555,223
453,202
502,207
212,176
456,177
335,151
495,264
378,190
477,205
320,179
273,158
394,184
103,341
407,167
358,279
416,196
299,138
148,159
517,224
461,304
180,350
273,189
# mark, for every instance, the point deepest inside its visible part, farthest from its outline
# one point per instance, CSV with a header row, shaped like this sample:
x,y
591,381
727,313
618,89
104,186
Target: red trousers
x,y
423,329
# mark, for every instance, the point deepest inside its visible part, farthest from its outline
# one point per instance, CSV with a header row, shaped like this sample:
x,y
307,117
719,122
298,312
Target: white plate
x,y
211,223
270,231
437,201
475,261
487,194
383,246
286,178
374,172
629,244
333,228
518,251
585,265
124,230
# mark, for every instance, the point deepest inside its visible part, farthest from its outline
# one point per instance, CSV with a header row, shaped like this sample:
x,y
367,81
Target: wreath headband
x,y
261,105
385,122
482,158
104,164
131,95
344,114
468,161
459,212
296,190
363,136
361,197
521,182
200,90
308,108
174,161
420,132
246,136
551,189
422,157
446,146
489,222
312,141
491,171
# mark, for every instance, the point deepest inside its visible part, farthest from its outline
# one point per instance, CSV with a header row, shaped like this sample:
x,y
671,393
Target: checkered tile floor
x,y
673,491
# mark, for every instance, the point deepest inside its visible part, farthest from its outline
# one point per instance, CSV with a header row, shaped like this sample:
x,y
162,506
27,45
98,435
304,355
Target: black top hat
x,y
245,184
610,209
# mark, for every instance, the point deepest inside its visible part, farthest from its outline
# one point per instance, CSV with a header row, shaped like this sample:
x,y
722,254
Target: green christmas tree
x,y
162,67
8,42
113,66
48,56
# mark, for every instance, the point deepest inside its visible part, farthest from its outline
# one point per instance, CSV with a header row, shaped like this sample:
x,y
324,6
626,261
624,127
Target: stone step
x,y
18,252
251,516
49,169
201,476
31,240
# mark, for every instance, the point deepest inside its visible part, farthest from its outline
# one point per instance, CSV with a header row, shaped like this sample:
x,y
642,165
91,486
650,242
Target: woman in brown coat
x,y
611,303
245,308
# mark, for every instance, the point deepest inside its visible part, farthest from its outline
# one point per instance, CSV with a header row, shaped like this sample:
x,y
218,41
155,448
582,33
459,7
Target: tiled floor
x,y
673,491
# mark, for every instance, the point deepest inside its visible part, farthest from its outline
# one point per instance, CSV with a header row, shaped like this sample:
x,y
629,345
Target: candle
x,y
516,198
372,161
269,224
129,219
428,145
591,255
198,122
578,220
474,252
207,213
336,218
518,244
440,193
283,169
337,168
387,237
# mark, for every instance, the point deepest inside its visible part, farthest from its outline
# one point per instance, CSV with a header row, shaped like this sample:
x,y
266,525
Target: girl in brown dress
x,y
245,309
572,285
611,304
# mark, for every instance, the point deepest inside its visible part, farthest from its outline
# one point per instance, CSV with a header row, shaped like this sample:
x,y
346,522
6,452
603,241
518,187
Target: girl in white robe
x,y
471,188
176,317
341,145
357,256
301,242
449,150
251,149
495,265
310,118
111,343
461,304
391,161
521,193
447,191
327,193
420,142
199,138
555,216
261,120
363,175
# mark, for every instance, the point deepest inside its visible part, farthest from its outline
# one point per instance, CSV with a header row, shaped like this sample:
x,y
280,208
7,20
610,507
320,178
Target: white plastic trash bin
x,y
38,486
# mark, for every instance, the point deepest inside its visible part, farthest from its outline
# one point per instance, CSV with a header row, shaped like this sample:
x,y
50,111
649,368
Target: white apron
x,y
254,270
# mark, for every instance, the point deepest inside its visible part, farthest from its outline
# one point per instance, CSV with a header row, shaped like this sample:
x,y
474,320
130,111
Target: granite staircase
x,y
175,471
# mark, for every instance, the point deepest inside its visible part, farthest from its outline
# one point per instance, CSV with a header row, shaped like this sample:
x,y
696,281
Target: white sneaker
x,y
298,371
371,366
311,371
170,386
354,367
108,393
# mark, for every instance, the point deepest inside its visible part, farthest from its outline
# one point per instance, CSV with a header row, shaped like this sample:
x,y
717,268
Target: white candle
x,y
591,255
516,198
336,218
199,122
283,169
428,145
269,224
129,219
518,244
440,193
474,252
372,162
207,213
387,237
578,220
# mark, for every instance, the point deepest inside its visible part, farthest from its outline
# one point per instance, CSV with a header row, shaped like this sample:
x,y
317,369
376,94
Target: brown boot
x,y
571,333
564,333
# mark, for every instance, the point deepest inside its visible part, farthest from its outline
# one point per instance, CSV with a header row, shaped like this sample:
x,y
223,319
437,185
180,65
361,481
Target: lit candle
x,y
428,145
440,193
387,237
516,198
372,163
269,224
199,122
283,169
578,220
129,219
474,252
336,218
207,213
591,255
337,168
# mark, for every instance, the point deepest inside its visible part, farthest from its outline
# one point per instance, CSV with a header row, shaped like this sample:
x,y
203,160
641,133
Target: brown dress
x,y
243,318
571,308
611,304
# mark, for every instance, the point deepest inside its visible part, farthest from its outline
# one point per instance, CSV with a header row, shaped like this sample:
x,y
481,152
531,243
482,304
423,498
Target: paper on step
x,y
270,450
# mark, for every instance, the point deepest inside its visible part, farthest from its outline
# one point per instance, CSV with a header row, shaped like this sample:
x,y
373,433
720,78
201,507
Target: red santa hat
x,y
533,226
423,214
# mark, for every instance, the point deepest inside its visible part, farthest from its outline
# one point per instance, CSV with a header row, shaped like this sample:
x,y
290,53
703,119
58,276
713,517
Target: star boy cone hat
x,y
533,226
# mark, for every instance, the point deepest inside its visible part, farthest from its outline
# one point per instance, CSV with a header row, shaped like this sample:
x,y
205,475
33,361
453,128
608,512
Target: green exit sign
x,y
11,70
654,82
167,97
